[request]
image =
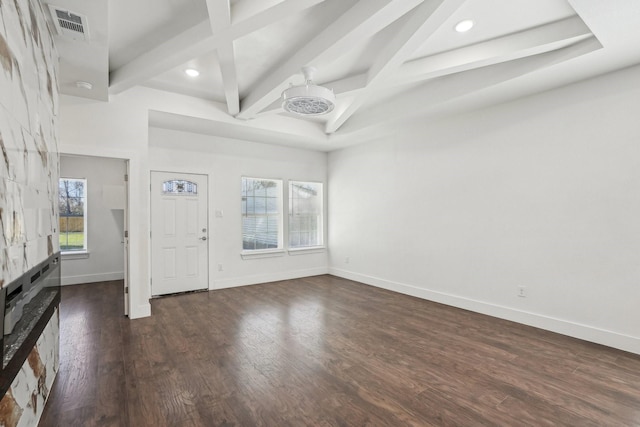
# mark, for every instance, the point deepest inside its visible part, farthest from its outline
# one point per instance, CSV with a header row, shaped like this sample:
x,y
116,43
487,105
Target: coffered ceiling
x,y
388,61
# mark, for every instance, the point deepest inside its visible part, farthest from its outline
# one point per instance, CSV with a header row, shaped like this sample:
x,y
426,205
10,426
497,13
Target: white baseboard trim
x,y
142,310
564,327
266,278
91,278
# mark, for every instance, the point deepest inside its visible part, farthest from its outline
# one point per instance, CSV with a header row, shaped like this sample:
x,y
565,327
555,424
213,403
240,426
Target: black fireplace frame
x,y
48,270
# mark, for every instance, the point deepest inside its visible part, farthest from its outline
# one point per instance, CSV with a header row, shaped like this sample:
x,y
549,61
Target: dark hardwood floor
x,y
324,351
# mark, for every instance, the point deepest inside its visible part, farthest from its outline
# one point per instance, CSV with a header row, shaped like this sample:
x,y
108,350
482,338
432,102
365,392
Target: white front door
x,y
179,232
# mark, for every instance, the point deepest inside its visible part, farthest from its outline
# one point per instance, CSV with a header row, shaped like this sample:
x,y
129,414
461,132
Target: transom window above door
x,y
179,186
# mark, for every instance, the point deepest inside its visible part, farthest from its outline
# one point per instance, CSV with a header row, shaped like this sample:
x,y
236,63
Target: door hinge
x,y
126,233
126,289
126,177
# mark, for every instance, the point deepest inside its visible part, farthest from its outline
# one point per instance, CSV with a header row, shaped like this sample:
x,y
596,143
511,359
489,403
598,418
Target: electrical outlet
x,y
219,267
522,291
346,260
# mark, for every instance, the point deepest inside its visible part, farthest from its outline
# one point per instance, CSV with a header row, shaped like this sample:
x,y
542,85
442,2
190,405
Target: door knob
x,y
203,238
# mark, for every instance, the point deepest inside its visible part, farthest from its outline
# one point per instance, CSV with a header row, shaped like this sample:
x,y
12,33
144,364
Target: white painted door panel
x,y
126,240
179,245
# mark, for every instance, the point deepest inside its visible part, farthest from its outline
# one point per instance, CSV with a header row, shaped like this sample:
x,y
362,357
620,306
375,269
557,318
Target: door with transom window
x,y
179,233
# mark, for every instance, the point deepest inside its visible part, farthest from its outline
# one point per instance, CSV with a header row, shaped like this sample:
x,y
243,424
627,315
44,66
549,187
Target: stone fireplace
x,y
29,172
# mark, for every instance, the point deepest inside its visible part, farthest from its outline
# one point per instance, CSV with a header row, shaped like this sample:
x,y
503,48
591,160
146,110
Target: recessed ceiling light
x,y
191,72
464,26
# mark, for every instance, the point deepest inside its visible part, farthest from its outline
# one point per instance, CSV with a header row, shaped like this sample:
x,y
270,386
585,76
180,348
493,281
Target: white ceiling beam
x,y
361,21
533,41
220,20
423,22
227,60
529,42
243,23
197,41
243,9
432,95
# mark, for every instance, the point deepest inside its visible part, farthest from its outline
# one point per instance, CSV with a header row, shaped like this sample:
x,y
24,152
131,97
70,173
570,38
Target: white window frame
x,y
265,252
84,252
320,220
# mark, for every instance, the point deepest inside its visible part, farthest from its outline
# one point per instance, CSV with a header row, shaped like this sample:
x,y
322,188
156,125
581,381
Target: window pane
x,y
260,188
72,208
262,216
272,206
260,205
305,214
251,205
272,190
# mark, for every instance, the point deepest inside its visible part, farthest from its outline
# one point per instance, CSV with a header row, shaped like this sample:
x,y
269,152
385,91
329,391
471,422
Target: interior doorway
x,y
94,232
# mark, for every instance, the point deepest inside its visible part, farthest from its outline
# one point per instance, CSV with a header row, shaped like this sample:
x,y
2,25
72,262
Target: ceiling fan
x,y
308,99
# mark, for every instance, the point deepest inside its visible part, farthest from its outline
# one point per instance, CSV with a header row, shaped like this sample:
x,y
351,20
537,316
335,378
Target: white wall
x,y
539,193
225,162
117,129
105,225
542,193
120,129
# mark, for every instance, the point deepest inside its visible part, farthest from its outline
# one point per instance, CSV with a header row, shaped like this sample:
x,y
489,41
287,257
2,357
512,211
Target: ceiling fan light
x,y
308,100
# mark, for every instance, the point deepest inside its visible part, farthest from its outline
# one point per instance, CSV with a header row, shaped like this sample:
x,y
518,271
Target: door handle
x,y
203,238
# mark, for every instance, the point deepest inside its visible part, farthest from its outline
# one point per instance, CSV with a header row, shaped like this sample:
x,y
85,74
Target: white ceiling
x,y
387,60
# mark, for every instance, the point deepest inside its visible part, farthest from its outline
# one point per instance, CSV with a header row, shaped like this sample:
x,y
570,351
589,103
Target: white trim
x,y
71,255
572,329
266,278
143,310
262,253
307,250
91,278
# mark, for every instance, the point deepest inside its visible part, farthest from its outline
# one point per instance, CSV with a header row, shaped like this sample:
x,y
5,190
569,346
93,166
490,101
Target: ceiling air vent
x,y
69,24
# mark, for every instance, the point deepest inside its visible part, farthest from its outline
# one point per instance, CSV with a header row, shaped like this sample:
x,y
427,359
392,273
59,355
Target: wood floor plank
x,y
324,351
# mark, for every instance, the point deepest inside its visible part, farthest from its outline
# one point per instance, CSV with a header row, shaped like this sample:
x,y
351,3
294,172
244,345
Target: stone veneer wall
x,y
29,165
23,404
29,171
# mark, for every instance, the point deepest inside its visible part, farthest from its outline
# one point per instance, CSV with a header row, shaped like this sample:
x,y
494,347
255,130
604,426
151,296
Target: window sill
x,y
307,250
75,255
262,253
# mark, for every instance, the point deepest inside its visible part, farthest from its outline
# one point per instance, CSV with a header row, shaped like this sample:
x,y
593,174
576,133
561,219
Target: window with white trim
x,y
72,207
261,214
305,214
